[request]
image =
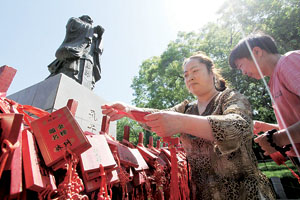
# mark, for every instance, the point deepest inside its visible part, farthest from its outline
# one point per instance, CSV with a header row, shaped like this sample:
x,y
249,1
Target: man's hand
x,y
264,144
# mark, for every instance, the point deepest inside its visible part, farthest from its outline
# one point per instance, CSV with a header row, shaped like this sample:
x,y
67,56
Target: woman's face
x,y
197,78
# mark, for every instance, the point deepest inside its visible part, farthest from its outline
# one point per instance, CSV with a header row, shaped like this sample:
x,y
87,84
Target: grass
x,y
271,169
289,182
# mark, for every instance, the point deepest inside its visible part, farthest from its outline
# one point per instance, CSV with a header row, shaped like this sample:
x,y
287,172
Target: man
x,y
284,84
78,55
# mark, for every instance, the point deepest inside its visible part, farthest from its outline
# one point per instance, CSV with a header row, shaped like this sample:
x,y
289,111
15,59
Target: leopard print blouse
x,y
227,167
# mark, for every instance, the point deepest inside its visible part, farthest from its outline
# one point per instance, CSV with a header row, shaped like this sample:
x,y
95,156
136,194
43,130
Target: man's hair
x,y
263,41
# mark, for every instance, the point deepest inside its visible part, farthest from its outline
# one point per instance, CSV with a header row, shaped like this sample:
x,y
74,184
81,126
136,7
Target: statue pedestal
x,y
54,93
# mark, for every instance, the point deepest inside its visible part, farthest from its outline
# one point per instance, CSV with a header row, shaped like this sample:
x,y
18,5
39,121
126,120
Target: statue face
x,y
86,18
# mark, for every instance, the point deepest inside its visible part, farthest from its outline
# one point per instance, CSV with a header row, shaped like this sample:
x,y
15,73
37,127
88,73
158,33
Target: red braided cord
x,y
7,147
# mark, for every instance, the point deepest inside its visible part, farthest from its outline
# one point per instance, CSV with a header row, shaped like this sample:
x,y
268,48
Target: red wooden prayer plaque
x,y
36,177
10,124
141,161
98,154
127,158
94,184
57,132
16,177
6,76
147,155
139,178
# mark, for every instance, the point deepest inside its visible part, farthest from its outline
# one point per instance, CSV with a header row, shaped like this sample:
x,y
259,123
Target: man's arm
x,y
280,138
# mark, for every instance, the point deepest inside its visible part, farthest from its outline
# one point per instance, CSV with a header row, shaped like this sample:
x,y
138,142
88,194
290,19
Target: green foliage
x,y
279,18
135,128
283,23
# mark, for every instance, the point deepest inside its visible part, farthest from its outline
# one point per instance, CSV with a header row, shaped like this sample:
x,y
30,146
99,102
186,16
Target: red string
x,y
294,173
43,195
4,106
174,186
72,185
147,186
279,159
7,147
103,194
123,176
10,106
160,179
137,115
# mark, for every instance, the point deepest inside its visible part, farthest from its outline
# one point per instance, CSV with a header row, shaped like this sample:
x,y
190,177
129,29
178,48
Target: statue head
x,y
86,19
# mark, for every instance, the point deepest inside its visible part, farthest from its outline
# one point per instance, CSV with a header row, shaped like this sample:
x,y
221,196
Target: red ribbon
x,y
103,194
174,188
137,115
7,147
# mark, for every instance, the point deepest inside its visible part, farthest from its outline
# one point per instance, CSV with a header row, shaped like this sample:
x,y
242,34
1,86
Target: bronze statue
x,y
79,54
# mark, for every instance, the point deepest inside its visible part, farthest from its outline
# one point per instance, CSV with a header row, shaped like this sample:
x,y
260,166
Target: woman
x,y
216,133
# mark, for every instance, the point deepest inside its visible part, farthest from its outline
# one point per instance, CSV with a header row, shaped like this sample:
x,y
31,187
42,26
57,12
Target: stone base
x,y
54,93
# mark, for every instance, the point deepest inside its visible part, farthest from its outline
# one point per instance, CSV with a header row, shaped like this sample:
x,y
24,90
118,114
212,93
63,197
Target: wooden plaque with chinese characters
x,y
98,154
56,132
36,177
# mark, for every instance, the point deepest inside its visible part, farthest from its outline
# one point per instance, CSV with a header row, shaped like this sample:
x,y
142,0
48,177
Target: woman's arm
x,y
229,127
167,123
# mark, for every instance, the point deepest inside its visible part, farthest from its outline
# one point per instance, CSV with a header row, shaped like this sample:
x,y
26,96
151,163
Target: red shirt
x,y
285,88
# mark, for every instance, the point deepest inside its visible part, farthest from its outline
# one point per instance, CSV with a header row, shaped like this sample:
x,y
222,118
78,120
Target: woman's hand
x,y
164,123
113,110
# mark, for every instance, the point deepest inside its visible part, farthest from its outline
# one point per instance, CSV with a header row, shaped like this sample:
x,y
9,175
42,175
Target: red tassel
x,y
7,148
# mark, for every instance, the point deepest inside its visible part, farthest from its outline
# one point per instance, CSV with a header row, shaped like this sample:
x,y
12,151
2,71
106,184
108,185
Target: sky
x,y
135,30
